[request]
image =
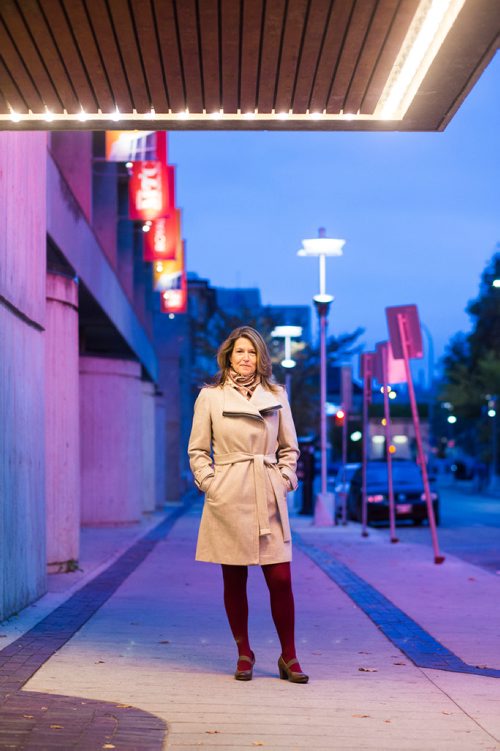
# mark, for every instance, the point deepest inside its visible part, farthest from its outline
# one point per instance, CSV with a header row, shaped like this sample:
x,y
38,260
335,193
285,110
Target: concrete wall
x,y
105,207
111,440
160,451
22,320
76,239
72,152
62,422
148,447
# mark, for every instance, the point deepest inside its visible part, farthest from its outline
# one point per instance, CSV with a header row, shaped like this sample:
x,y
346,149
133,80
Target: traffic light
x,y
339,417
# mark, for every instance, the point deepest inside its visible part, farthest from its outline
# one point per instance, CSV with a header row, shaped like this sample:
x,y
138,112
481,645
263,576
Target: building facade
x,y
89,367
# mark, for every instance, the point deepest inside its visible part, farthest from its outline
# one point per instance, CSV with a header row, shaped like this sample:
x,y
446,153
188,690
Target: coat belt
x,y
260,461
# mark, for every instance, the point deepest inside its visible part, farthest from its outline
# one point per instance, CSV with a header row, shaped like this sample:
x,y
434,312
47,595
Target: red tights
x,y
279,582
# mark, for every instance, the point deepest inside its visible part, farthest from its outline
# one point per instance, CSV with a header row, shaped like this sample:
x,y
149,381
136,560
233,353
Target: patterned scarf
x,y
246,385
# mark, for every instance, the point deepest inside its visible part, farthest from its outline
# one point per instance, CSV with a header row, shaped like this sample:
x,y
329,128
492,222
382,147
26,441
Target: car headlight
x,y
375,498
434,497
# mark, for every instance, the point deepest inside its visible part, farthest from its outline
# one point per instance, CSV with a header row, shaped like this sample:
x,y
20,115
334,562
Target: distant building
x,y
235,301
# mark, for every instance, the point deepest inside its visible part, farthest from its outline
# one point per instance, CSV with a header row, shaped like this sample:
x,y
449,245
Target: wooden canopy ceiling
x,y
234,64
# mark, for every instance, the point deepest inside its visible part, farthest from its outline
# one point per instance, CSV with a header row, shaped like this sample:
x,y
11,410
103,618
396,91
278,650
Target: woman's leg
x,y
279,581
236,604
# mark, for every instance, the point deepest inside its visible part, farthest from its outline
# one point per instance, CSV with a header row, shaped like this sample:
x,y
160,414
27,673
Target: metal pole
x,y
438,558
322,319
288,385
364,458
322,274
493,479
324,512
288,348
387,415
430,377
344,462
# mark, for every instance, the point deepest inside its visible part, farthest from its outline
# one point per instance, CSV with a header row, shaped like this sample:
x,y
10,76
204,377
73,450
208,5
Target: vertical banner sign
x,y
174,300
136,146
406,339
166,274
149,192
162,240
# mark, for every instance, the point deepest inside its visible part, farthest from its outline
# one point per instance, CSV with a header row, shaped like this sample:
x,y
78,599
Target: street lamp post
x,y
321,247
288,333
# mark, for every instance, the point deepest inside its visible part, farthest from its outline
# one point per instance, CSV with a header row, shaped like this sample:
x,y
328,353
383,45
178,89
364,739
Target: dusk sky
x,y
420,213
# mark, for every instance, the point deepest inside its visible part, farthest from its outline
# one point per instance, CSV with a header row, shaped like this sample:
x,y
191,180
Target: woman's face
x,y
244,357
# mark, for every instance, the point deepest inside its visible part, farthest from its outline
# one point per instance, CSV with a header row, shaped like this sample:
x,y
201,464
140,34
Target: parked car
x,y
342,483
409,495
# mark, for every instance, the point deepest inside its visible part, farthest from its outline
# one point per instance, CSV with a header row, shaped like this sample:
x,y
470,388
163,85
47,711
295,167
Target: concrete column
x,y
22,320
62,429
160,450
148,447
110,440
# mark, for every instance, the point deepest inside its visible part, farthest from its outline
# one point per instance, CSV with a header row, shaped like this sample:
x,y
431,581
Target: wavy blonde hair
x,y
264,367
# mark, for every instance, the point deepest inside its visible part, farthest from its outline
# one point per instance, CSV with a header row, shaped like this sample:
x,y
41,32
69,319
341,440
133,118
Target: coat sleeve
x,y
288,448
200,443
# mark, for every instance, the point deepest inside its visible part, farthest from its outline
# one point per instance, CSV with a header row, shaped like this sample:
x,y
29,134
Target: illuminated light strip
x,y
288,117
428,30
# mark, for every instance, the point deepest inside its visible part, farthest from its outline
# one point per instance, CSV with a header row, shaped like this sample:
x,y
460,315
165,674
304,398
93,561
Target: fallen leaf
x,y
472,578
443,712
164,641
361,716
257,743
99,662
482,667
212,732
368,670
123,706
387,720
364,653
399,663
57,727
28,716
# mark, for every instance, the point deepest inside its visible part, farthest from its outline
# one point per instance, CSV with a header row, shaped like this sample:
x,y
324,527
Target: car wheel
x,y
417,522
437,515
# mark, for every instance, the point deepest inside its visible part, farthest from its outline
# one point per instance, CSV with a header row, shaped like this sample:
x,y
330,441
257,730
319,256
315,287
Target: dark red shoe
x,y
245,675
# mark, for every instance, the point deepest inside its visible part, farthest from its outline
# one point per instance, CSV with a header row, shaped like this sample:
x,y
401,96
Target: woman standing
x,y
243,454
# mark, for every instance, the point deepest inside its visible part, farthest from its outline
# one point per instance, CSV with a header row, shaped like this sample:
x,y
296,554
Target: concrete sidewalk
x,y
143,657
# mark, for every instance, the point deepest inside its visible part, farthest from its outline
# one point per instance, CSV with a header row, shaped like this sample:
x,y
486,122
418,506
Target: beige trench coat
x,y
243,455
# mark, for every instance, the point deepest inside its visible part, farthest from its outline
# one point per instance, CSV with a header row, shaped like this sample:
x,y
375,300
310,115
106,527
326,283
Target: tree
x,y
472,364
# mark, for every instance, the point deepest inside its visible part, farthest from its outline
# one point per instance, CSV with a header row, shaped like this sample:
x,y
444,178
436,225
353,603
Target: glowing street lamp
x,y
288,333
321,247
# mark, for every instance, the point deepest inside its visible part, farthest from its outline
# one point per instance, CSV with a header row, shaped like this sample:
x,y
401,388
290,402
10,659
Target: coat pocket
x,y
212,494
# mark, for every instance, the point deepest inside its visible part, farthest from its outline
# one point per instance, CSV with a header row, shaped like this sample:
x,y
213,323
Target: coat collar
x,y
236,405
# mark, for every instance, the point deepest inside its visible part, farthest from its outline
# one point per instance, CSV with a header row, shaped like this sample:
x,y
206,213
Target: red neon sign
x,y
162,240
150,191
175,300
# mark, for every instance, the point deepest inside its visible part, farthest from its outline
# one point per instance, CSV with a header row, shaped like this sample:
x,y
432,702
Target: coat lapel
x,y
236,405
264,400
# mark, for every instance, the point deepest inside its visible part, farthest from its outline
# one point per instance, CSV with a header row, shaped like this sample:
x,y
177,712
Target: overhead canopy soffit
x,y
239,64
